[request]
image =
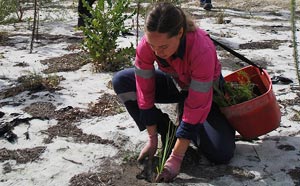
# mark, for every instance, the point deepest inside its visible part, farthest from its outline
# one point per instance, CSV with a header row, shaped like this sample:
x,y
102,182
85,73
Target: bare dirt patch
x,y
112,174
107,105
66,63
41,109
92,179
42,39
52,39
21,155
233,63
270,44
290,102
66,128
295,175
132,173
273,28
67,117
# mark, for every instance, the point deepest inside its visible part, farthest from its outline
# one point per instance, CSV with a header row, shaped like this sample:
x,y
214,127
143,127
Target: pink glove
x,y
150,149
171,168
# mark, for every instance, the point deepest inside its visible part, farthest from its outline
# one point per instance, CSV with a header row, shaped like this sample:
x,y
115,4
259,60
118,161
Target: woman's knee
x,y
116,80
123,80
222,155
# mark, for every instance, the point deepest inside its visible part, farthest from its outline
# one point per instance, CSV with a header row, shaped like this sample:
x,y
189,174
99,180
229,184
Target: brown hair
x,y
167,18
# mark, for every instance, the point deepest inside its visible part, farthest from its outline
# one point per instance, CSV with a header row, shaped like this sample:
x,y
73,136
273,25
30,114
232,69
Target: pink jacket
x,y
195,69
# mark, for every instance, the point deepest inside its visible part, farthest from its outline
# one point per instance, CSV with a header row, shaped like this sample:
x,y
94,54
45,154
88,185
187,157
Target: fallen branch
x,y
78,163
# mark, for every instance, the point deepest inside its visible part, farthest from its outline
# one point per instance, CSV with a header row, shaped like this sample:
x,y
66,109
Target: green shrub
x,y
18,7
101,34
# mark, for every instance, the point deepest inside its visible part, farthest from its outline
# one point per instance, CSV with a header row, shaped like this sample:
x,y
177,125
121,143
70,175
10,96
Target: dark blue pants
x,y
216,137
83,11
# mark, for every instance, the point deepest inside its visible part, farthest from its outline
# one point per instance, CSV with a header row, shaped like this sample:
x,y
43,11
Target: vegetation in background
x,y
236,92
32,82
8,7
12,11
35,82
101,34
17,7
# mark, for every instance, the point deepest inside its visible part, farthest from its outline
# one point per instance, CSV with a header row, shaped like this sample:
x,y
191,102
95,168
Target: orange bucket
x,y
259,115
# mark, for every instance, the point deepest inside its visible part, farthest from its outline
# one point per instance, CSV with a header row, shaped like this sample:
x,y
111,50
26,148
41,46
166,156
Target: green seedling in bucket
x,y
236,92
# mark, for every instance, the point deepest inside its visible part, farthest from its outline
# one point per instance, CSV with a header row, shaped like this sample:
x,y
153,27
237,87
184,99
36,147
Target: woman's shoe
x,y
207,6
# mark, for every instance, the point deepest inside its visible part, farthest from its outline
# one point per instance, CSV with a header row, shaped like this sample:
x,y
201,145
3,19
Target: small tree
x,y
6,8
294,38
102,31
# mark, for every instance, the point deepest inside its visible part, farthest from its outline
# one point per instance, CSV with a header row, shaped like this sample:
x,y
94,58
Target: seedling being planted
x,y
167,148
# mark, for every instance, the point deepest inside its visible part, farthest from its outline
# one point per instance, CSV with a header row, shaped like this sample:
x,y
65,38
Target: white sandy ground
x,y
263,158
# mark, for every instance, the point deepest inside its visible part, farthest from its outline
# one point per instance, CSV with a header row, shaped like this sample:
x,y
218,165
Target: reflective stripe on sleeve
x,y
127,96
144,73
200,86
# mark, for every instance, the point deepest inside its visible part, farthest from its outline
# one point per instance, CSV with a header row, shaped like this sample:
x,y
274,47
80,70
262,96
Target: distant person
x,y
206,4
83,11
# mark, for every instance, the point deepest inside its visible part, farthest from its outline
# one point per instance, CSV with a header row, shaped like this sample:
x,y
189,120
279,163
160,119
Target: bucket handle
x,y
238,55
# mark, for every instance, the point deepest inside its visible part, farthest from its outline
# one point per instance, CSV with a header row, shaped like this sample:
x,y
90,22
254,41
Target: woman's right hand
x,y
149,149
171,168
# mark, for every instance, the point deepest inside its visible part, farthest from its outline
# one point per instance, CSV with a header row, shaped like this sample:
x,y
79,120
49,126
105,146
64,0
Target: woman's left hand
x,y
166,176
